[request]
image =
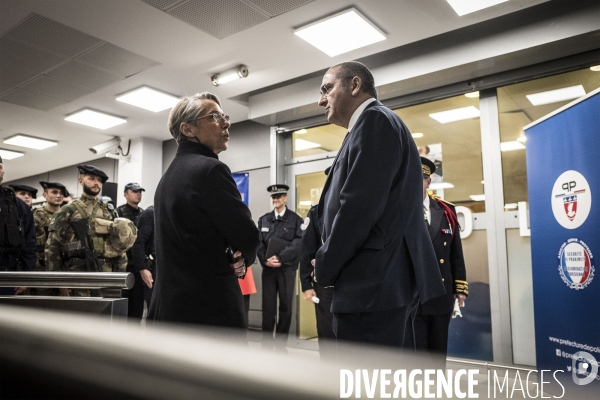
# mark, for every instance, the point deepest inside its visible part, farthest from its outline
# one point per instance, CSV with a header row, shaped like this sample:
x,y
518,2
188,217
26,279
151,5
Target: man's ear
x,y
45,195
356,85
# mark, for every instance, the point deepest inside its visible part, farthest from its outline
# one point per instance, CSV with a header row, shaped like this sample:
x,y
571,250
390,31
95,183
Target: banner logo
x,y
571,199
576,264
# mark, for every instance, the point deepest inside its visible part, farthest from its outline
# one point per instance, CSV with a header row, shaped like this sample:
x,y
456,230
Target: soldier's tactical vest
x,y
12,232
41,217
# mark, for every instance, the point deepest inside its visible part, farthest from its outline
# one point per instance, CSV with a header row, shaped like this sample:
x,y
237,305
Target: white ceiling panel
x,y
118,60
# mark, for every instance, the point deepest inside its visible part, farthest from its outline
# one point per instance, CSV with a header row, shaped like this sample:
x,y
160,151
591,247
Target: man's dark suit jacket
x,y
449,254
377,252
198,211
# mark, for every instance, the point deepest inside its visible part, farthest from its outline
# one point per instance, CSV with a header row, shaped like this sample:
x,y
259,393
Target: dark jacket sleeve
x,y
145,229
291,253
225,209
29,252
262,249
457,261
311,241
373,162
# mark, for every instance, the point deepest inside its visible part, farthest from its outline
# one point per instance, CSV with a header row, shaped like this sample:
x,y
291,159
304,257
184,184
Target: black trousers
x,y
431,332
384,328
135,295
277,282
325,322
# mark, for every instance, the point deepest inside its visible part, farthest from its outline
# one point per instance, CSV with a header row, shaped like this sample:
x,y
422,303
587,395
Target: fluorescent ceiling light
x,y
554,96
463,7
456,115
511,206
30,142
511,146
595,68
95,119
300,131
306,203
472,95
343,32
149,99
241,71
9,154
302,144
440,185
477,197
417,135
522,139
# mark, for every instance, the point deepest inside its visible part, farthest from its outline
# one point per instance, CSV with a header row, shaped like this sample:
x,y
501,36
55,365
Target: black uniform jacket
x,y
311,241
144,243
449,253
376,251
198,211
26,260
287,228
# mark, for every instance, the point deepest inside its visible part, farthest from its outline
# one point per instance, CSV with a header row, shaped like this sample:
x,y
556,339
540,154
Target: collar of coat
x,y
188,147
284,217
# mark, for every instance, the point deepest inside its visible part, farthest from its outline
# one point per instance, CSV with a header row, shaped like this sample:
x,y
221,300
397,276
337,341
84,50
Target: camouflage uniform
x,y
61,233
41,219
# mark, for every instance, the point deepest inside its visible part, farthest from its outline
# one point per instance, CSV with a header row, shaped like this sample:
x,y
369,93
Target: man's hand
x,y
20,290
65,292
309,294
273,262
461,299
239,267
147,277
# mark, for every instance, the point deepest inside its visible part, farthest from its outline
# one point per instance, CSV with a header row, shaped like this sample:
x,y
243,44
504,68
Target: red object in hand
x,y
247,284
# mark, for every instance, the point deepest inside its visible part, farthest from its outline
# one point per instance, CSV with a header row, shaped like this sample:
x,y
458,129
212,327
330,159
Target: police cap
x,y
25,188
428,166
278,189
86,169
55,185
134,187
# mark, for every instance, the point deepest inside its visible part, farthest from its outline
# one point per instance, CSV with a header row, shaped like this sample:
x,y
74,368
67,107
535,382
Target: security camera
x,y
106,146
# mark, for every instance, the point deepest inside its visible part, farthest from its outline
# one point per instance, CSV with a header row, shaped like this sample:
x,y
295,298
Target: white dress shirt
x,y
426,209
279,215
359,111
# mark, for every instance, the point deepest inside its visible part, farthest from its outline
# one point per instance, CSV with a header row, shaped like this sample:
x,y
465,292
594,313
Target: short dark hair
x,y
350,69
188,109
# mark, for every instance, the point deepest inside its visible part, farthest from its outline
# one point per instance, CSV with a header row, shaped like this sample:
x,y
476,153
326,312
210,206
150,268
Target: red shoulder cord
x,y
450,216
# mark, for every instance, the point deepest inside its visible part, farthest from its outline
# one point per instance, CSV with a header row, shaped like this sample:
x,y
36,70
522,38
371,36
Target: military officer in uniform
x,y
54,193
279,269
63,248
25,193
131,210
17,243
433,317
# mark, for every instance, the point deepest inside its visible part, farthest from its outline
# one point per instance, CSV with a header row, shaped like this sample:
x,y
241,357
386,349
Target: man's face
x,y
25,196
336,98
426,183
209,132
54,196
132,197
92,184
279,200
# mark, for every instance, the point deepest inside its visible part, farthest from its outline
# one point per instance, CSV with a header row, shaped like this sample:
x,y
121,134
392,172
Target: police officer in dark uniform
x,y
131,211
432,318
320,296
143,253
17,244
26,193
279,268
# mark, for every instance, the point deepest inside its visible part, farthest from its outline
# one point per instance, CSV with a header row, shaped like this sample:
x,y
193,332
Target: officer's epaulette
x,y
438,199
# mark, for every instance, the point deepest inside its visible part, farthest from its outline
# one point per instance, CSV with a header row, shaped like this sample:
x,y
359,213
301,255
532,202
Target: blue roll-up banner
x,y
563,173
241,180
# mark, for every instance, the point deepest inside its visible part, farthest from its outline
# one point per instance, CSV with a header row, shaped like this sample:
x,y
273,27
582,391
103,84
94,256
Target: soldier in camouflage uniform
x,y
54,193
61,232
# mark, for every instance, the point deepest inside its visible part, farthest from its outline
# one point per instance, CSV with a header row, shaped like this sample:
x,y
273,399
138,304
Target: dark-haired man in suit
x,y
376,251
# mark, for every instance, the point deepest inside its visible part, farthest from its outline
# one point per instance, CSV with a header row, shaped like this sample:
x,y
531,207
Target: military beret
x,y
428,166
57,185
91,170
278,189
134,187
25,188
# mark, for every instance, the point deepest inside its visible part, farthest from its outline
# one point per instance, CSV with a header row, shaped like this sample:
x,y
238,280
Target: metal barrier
x,y
79,280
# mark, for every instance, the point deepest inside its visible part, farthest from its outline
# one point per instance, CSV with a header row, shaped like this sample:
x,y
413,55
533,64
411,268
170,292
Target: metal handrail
x,y
80,280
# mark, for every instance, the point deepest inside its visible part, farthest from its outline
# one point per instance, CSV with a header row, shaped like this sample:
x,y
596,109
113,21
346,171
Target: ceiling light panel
x,y
30,142
477,197
9,154
511,146
301,144
95,119
463,7
343,32
149,99
456,115
554,96
417,135
440,185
